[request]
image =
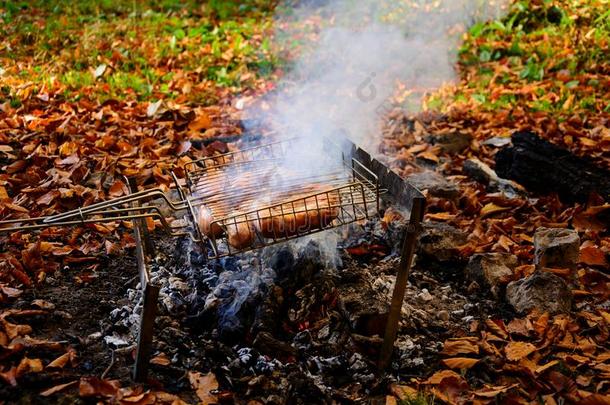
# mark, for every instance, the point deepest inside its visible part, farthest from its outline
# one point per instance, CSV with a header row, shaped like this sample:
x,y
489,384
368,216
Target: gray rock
x,y
497,141
543,291
556,247
436,184
440,241
492,270
443,315
454,142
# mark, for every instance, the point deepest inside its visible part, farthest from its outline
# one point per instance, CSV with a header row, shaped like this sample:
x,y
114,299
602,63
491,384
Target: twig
x,y
109,366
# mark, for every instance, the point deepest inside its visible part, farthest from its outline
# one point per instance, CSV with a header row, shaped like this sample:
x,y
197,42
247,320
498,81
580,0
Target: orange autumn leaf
x,y
491,208
451,348
437,377
515,351
460,362
592,255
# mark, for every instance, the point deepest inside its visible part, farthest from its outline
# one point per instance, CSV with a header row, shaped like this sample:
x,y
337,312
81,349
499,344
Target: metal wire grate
x,y
240,201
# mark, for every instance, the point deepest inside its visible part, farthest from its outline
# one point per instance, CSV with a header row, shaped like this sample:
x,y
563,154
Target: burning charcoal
x,y
302,341
271,346
268,312
282,262
364,309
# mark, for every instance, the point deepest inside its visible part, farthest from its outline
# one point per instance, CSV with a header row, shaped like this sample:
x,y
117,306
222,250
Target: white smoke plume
x,y
367,52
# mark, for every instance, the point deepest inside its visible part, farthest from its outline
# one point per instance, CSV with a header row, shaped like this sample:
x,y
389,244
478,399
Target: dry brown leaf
x,y
451,348
491,392
161,360
403,392
96,387
497,327
546,366
460,362
592,255
515,351
595,399
27,365
61,361
491,208
390,400
58,388
202,121
437,377
203,385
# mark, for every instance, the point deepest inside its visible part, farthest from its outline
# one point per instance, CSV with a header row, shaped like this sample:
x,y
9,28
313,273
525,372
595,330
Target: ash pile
x,y
295,322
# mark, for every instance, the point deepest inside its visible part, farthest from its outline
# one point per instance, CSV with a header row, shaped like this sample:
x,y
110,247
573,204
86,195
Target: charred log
x,y
543,167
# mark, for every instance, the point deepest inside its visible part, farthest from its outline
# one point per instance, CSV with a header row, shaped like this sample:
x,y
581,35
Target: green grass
x,y
145,44
421,399
547,56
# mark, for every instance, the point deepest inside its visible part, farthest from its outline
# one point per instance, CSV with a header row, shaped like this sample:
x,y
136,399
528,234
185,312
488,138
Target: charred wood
x,y
543,167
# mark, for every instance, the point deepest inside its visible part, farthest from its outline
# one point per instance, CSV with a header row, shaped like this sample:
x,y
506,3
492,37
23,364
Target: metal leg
x,y
145,335
408,250
150,295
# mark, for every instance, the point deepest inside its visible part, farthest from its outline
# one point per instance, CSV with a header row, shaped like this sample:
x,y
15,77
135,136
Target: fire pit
x,y
248,200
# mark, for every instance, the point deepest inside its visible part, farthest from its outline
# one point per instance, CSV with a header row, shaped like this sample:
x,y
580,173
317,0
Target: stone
x,y
556,247
492,270
443,315
435,183
542,291
454,142
439,241
425,295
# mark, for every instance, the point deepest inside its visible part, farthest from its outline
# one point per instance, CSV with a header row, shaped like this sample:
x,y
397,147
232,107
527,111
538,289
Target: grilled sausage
x,y
240,235
306,216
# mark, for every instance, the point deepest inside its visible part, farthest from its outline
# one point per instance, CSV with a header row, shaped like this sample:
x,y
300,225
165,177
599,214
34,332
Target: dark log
x,y
543,167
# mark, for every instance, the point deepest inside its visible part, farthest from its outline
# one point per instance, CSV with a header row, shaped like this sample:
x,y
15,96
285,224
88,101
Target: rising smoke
x,y
368,52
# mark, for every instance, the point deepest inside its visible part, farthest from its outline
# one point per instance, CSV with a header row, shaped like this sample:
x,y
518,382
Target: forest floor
x,y
94,91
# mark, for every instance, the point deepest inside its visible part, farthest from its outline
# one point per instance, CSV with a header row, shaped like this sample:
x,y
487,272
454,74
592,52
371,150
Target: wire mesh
x,y
238,201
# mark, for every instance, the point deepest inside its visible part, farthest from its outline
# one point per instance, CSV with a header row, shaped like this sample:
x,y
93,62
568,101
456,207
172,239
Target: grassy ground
x,y
133,49
544,67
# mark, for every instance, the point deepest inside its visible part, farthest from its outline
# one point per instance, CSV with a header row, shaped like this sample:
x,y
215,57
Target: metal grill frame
x,y
358,193
128,208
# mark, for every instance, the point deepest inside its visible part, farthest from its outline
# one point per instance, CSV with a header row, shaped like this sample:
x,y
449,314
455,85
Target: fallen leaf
x,y
592,255
27,365
60,362
161,360
491,392
153,107
546,366
437,377
497,327
403,392
451,348
491,208
99,71
58,388
96,387
460,362
202,121
203,385
515,351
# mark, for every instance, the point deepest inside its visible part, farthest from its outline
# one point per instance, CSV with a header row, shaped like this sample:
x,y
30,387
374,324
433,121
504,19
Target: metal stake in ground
x,y
408,249
150,295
